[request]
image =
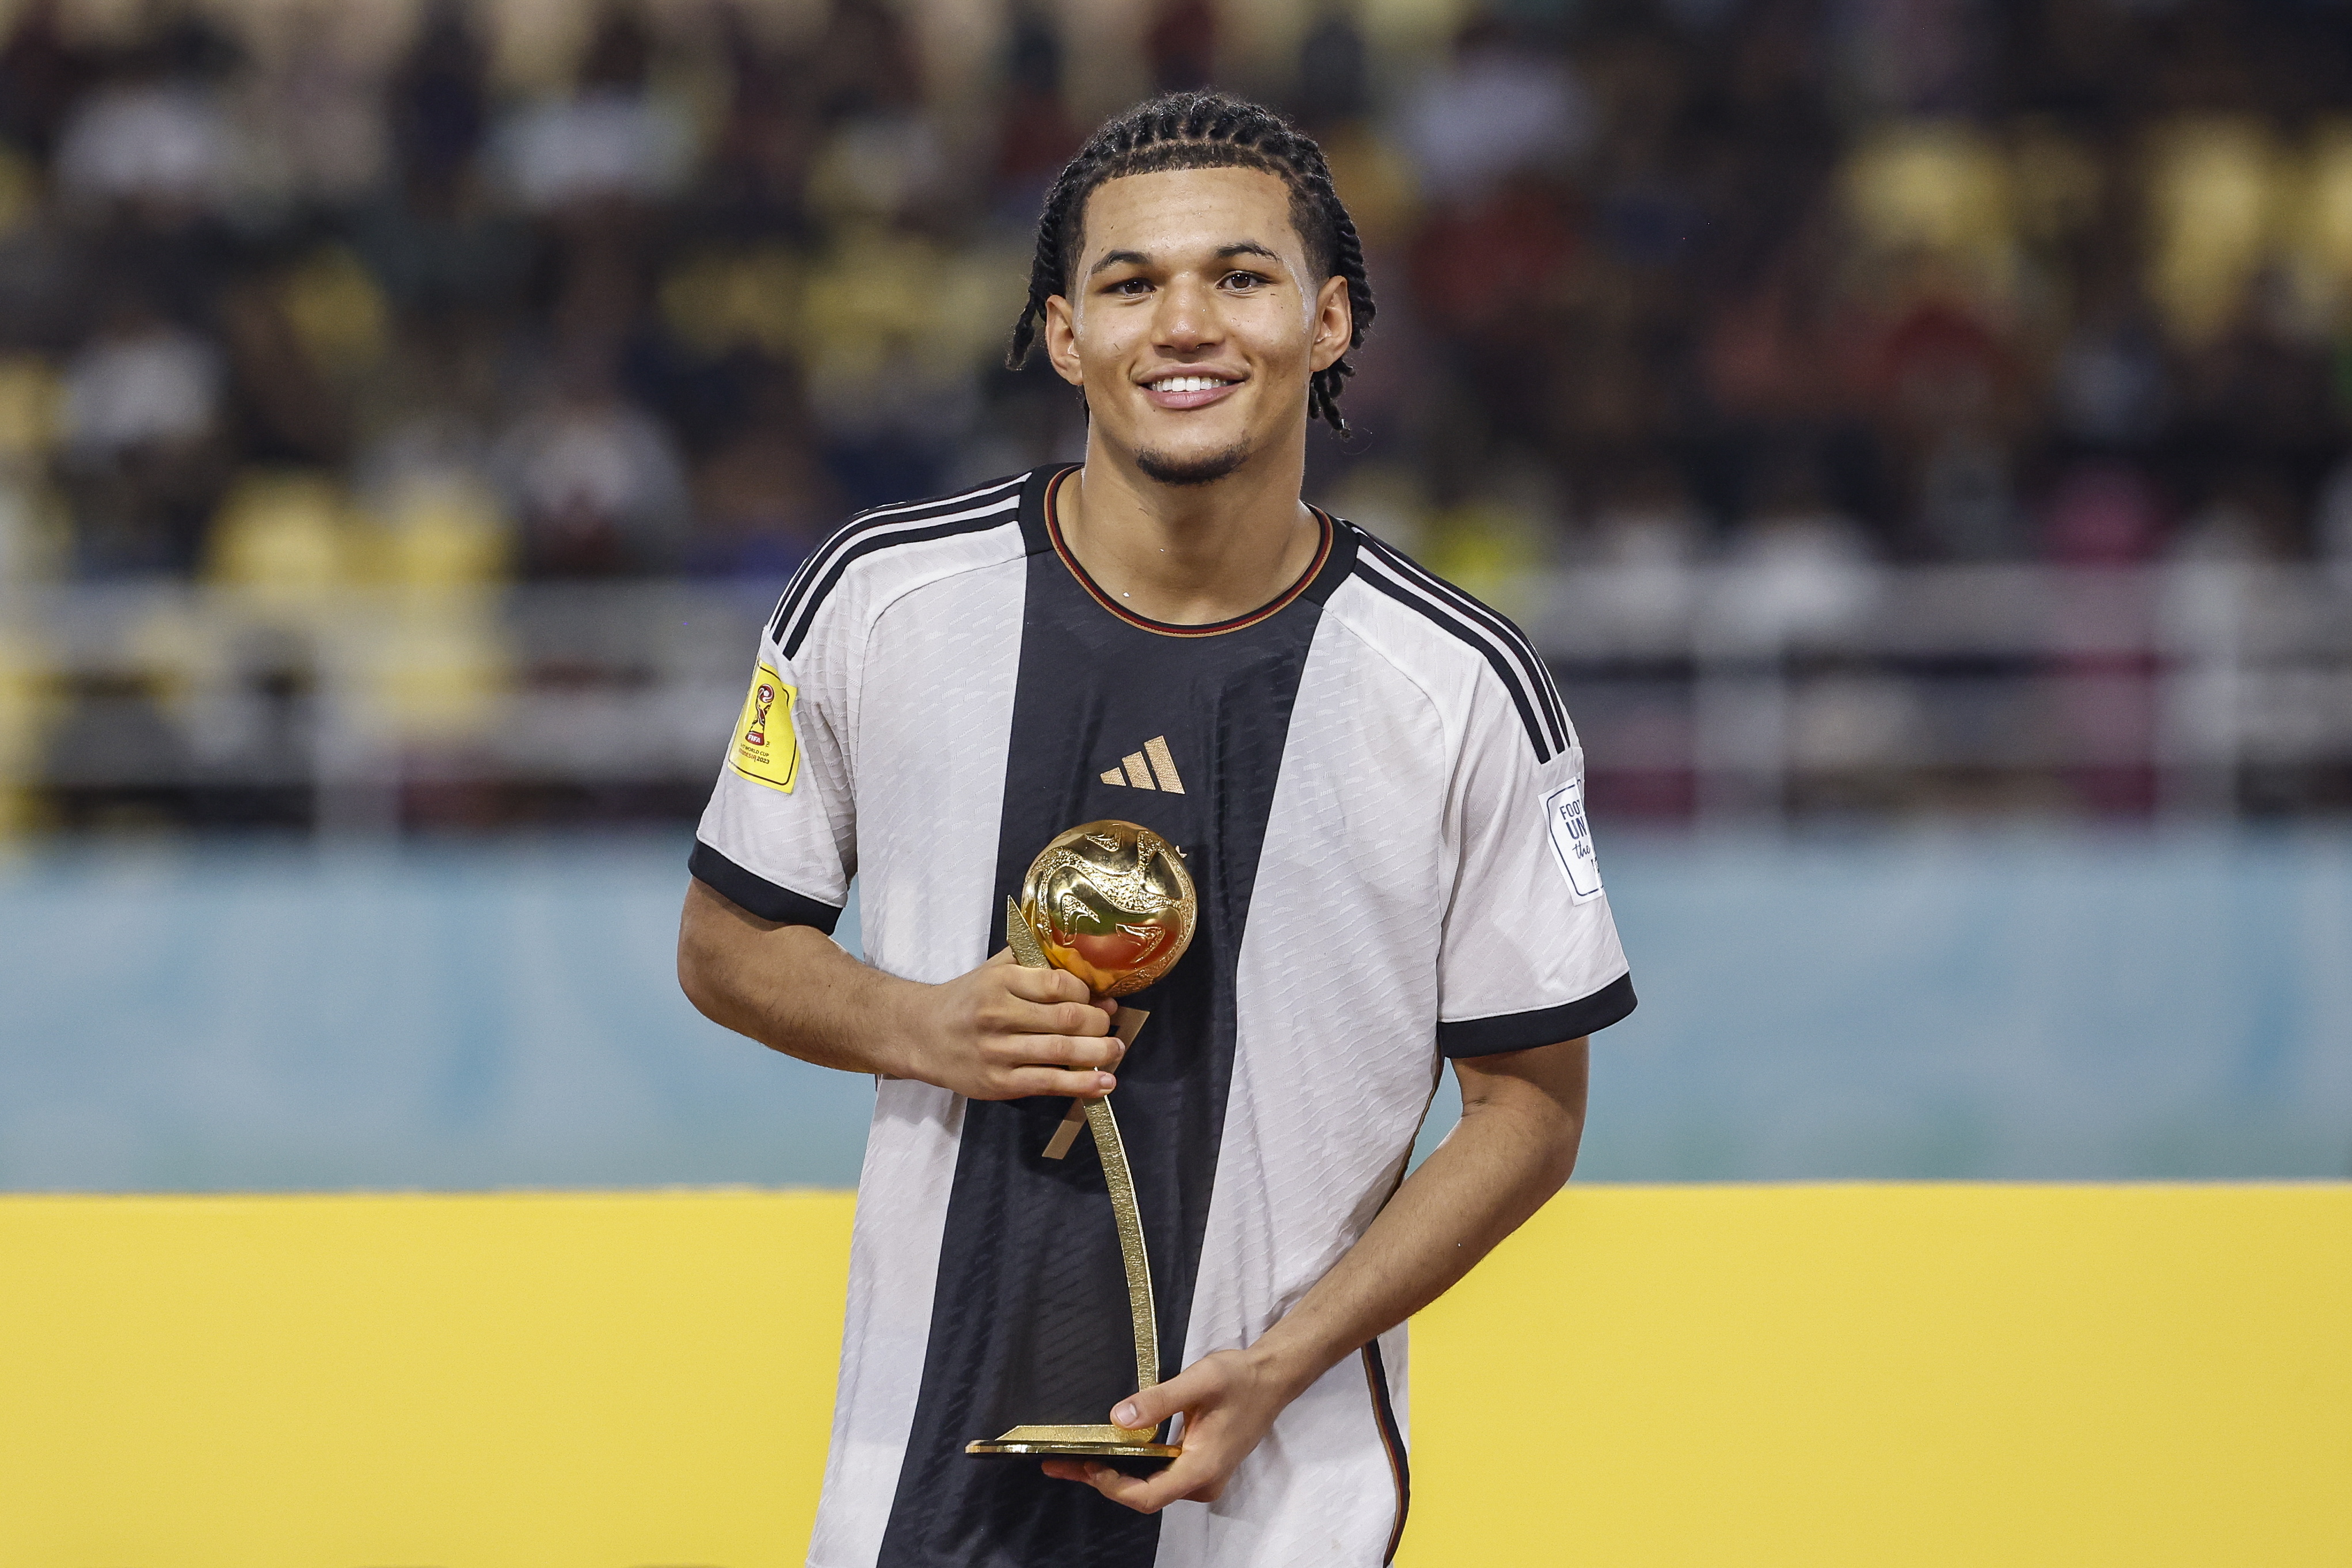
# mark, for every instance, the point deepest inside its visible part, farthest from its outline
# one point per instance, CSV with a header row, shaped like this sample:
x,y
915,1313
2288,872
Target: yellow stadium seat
x,y
286,537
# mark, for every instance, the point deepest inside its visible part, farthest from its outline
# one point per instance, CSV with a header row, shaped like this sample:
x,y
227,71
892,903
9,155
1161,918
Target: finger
x,y
1013,1015
1032,1017
1021,1083
1052,1050
1002,955
1148,1494
1046,986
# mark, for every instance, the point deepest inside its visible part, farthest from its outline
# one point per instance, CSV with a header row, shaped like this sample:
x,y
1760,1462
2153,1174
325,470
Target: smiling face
x,y
1195,322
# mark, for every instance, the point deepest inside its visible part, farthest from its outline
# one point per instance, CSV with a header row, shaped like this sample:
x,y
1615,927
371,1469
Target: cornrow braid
x,y
1204,130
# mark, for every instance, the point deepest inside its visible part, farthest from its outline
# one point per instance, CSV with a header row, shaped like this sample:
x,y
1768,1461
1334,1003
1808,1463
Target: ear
x,y
1062,340
1335,325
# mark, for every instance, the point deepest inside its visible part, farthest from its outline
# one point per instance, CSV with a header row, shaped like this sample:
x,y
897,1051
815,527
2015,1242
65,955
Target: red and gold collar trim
x,y
1168,628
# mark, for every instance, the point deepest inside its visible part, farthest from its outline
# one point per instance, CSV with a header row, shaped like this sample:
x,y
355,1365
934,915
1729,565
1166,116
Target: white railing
x,y
1749,693
1754,680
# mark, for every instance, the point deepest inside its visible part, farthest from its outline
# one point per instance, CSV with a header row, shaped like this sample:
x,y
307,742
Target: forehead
x,y
1170,211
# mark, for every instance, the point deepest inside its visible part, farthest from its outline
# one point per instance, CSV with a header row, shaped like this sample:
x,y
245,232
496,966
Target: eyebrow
x,y
1119,258
1224,253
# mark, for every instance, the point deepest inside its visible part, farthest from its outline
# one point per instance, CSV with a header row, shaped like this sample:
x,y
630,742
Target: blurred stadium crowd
x,y
521,334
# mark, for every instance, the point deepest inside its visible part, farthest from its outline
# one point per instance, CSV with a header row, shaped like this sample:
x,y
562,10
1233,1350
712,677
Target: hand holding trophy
x,y
1111,903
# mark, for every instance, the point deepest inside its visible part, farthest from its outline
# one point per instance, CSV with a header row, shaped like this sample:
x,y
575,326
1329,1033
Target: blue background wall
x,y
503,1013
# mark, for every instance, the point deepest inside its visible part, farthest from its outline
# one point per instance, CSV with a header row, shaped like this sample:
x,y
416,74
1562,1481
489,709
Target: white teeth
x,y
1188,383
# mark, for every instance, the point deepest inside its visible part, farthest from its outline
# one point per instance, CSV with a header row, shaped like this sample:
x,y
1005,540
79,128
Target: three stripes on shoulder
x,y
1139,769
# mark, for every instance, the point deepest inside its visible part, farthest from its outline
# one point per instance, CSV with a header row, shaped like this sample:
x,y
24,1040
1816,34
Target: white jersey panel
x,y
1521,934
1521,938
935,712
1335,1060
936,718
804,840
902,1209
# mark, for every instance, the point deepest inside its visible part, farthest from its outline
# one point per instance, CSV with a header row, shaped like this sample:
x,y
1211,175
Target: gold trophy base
x,y
1078,1443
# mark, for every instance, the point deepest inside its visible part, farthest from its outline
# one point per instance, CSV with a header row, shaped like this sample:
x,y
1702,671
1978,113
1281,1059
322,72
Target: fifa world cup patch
x,y
1572,839
766,751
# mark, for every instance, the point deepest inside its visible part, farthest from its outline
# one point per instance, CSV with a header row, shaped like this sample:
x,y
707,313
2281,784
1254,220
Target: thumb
x,y
1152,1406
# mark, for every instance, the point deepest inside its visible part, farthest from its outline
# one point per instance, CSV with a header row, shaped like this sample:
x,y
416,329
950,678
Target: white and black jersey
x,y
1379,796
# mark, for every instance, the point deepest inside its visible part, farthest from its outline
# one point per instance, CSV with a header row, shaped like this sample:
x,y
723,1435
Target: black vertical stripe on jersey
x,y
1029,1318
1376,1374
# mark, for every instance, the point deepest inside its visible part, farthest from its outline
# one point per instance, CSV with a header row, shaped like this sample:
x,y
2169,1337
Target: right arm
x,y
1000,1032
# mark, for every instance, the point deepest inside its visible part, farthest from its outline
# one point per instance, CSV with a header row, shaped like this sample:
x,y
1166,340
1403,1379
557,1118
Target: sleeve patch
x,y
766,751
1572,839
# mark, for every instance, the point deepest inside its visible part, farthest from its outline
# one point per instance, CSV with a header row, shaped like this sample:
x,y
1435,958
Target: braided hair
x,y
1204,130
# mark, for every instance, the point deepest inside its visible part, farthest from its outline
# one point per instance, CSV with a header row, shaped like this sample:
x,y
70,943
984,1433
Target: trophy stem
x,y
1116,1176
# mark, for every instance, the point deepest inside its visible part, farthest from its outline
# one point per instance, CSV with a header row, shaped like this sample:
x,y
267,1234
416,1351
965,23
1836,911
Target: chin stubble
x,y
1187,471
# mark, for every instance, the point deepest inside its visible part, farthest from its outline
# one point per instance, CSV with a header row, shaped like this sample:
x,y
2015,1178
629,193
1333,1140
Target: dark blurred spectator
x,y
2249,516
1646,516
1947,380
1335,71
2332,522
1917,57
1180,45
315,125
2102,514
864,64
762,499
439,245
2109,382
439,96
291,411
151,137
760,157
140,426
42,73
1498,109
1806,565
1035,135
612,139
1486,276
596,482
141,382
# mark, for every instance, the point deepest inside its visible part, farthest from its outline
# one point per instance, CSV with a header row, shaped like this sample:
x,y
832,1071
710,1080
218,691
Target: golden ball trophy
x,y
1111,903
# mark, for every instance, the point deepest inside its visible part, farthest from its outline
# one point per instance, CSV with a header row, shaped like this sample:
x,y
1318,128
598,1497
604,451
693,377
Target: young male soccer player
x,y
1380,799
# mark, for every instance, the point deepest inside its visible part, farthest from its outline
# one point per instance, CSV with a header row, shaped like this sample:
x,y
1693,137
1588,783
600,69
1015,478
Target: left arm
x,y
1522,1117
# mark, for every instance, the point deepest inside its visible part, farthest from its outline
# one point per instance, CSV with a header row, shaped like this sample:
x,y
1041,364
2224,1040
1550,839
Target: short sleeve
x,y
778,836
1530,954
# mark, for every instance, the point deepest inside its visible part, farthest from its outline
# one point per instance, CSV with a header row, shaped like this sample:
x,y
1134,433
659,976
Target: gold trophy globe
x,y
1111,903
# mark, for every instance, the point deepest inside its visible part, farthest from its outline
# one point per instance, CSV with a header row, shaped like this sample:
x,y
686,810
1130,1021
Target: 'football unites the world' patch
x,y
765,750
1571,837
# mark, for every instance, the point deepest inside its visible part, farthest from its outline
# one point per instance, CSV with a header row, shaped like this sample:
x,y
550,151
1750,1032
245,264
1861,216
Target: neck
x,y
1190,554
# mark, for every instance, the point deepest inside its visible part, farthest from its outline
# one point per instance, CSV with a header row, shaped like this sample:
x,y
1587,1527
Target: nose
x,y
1186,321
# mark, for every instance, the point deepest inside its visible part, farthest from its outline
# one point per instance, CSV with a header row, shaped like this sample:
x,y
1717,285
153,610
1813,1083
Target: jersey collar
x,y
1044,527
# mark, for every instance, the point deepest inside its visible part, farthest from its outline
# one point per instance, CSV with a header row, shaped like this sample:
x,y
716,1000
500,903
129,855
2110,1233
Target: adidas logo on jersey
x,y
1151,768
